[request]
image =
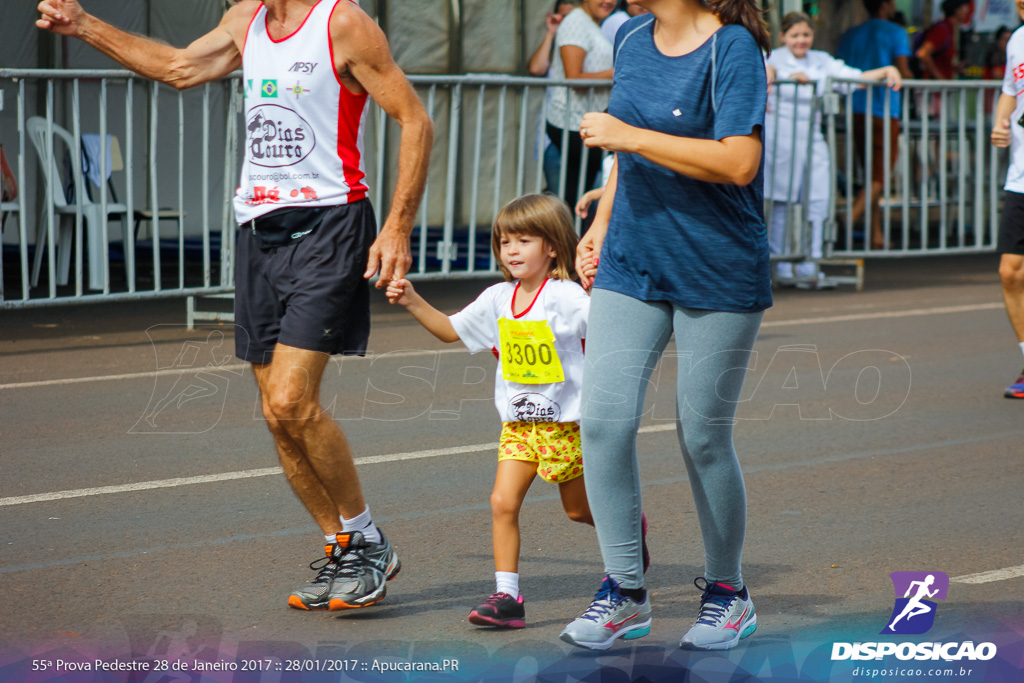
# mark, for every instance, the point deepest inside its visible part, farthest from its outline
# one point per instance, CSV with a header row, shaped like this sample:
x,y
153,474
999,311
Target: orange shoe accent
x,y
343,540
336,605
294,601
339,605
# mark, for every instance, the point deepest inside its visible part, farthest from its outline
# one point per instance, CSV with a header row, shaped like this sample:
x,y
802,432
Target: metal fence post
x,y
447,241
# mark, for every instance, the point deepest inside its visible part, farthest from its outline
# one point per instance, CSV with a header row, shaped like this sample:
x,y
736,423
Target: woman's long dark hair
x,y
747,14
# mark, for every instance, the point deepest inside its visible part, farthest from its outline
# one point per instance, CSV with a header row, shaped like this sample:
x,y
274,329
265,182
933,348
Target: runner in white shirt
x,y
535,323
1008,131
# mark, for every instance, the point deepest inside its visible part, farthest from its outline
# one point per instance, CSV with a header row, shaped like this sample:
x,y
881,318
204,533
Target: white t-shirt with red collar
x,y
561,306
1013,85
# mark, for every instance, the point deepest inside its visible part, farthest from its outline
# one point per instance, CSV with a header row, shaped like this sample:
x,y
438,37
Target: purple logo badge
x,y
916,592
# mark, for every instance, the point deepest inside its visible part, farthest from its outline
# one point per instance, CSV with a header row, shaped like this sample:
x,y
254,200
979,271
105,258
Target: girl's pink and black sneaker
x,y
501,609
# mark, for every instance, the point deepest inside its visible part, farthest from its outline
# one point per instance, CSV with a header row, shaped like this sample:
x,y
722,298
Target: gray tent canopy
x,y
427,36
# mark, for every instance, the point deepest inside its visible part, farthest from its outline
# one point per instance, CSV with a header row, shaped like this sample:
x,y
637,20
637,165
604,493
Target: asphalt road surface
x,y
143,518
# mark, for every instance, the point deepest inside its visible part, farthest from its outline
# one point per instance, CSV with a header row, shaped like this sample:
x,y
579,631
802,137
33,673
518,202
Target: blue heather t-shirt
x,y
872,45
673,238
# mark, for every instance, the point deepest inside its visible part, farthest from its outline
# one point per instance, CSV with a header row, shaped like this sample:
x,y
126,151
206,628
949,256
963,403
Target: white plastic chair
x,y
92,212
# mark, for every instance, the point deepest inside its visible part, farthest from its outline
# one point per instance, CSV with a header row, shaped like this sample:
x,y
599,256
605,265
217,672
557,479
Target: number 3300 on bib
x,y
528,354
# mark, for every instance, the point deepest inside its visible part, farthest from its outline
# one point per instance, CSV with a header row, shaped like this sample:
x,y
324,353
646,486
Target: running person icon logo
x,y
914,613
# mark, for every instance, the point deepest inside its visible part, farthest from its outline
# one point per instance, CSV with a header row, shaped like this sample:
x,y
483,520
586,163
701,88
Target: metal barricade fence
x,y
937,188
64,220
489,148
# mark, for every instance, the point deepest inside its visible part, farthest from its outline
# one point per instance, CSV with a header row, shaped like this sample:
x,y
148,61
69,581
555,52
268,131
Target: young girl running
x,y
535,323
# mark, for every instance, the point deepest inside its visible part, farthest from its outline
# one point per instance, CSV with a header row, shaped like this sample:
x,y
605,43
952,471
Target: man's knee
x,y
1011,272
283,406
273,422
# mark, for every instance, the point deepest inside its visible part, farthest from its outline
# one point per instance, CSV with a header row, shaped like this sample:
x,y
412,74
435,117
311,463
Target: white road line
x,y
989,577
238,367
885,314
263,472
140,486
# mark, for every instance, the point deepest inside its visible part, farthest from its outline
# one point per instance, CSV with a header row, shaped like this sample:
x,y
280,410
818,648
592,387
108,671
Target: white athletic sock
x,y
331,538
1022,347
364,523
508,582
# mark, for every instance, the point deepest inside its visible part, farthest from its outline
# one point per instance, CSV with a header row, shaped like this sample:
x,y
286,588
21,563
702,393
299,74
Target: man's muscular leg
x,y
313,450
1011,272
318,462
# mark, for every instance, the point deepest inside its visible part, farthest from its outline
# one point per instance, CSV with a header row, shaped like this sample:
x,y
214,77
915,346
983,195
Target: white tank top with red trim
x,y
303,128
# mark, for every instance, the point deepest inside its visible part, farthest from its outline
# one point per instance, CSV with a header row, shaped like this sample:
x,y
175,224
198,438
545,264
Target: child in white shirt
x,y
535,323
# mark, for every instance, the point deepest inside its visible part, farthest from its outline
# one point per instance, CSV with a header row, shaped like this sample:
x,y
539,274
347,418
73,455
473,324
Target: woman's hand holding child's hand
x,y
589,270
588,253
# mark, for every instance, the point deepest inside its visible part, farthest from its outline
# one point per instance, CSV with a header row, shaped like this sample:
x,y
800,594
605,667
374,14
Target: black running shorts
x,y
309,294
1011,225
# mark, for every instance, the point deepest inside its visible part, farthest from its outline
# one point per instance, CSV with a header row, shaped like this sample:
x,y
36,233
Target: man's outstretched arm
x,y
209,57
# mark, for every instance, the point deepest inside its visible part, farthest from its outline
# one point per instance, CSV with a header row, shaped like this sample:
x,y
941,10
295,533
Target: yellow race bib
x,y
528,354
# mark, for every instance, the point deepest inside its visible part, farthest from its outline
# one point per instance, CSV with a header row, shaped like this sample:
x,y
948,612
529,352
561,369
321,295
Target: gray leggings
x,y
625,339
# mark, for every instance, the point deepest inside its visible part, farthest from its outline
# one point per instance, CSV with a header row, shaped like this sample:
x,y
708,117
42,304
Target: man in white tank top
x,y
1008,131
309,66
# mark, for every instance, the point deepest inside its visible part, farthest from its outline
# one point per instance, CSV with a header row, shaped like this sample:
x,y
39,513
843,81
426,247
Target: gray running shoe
x,y
363,570
611,615
725,617
313,595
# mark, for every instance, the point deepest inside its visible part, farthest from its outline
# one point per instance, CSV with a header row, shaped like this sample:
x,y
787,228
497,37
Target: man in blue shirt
x,y
876,43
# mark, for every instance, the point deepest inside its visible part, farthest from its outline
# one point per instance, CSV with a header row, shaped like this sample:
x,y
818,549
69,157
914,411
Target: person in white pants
x,y
786,152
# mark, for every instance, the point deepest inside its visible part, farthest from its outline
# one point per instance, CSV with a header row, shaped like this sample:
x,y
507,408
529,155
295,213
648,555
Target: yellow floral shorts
x,y
554,446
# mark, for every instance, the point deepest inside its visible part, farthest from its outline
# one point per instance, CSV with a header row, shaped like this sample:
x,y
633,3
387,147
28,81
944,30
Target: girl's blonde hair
x,y
544,216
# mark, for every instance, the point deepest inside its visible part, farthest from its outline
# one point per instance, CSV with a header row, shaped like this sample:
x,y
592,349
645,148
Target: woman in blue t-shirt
x,y
680,248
